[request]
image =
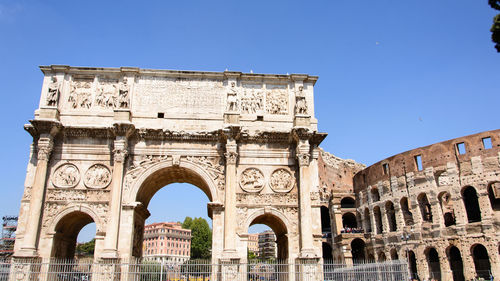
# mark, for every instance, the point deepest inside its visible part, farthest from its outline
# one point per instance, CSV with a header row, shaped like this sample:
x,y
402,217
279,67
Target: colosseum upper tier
x,y
437,206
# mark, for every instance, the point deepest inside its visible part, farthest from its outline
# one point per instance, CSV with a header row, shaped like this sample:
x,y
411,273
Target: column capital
x,y
45,147
231,157
304,159
120,151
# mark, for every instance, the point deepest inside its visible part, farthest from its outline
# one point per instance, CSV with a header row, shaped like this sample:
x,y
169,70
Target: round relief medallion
x,y
252,180
281,180
66,176
97,176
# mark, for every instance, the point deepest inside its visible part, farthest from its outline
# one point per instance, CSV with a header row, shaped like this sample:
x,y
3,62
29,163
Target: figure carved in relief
x,y
277,102
53,93
252,180
66,175
281,180
252,102
79,95
300,104
97,176
232,98
106,97
123,99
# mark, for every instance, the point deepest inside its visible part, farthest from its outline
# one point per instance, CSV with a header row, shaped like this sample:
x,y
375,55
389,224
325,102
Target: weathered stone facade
x,y
437,205
106,139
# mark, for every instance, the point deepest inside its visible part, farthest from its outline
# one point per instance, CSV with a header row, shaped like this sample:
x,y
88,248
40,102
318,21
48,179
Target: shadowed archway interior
x,y
67,230
279,229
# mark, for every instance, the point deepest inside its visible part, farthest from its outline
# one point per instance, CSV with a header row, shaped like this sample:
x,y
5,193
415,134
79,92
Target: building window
x,y
385,166
461,148
418,162
487,143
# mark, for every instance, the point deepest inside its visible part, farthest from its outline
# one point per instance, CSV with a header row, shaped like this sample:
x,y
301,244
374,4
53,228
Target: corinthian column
x,y
45,144
306,236
120,153
231,155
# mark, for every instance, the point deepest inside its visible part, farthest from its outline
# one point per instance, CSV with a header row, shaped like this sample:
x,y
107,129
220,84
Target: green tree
x,y
201,237
495,28
86,249
187,223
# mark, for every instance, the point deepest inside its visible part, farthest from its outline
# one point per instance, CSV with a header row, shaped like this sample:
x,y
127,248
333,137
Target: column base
x,y
27,253
108,254
307,254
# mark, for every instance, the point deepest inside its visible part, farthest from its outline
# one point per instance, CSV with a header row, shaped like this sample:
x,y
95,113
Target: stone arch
x,y
378,220
325,220
447,208
349,221
164,173
65,228
347,203
456,263
368,221
433,264
425,207
327,251
405,208
481,260
471,202
278,222
391,216
394,254
358,250
412,263
381,257
375,194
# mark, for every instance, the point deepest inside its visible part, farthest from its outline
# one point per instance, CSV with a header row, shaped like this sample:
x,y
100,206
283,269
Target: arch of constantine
x,y
105,140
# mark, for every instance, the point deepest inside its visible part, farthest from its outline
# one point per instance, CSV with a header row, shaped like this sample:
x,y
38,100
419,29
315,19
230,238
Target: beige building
x,y
166,242
267,245
253,243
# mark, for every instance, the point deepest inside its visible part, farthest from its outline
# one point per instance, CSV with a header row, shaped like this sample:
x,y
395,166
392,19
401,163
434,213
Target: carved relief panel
x,y
281,180
252,180
97,176
66,176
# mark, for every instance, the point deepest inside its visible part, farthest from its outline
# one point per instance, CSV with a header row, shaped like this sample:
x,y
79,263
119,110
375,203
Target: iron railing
x,y
199,270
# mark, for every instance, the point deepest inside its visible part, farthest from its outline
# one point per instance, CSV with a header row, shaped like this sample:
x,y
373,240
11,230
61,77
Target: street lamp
x,y
405,237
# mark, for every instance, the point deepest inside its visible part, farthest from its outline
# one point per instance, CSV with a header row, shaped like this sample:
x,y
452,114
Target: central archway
x,y
154,179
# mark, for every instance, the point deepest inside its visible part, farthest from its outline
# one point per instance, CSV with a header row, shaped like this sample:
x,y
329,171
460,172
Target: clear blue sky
x,y
394,75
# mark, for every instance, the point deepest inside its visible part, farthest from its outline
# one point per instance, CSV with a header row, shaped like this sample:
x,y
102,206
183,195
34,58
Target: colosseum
x,y
436,206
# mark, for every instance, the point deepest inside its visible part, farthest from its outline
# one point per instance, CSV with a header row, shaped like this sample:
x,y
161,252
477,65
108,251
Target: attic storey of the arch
x,y
107,139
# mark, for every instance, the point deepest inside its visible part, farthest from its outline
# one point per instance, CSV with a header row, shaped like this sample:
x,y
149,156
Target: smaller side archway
x,y
394,254
412,261
347,203
391,216
381,257
378,219
66,232
349,221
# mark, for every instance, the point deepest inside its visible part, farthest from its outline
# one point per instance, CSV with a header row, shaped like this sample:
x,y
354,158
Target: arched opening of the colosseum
x,y
347,203
405,208
381,257
280,231
447,208
456,263
394,255
433,263
425,207
327,251
358,248
494,195
66,233
378,219
368,221
375,194
349,222
325,220
481,261
391,216
154,182
412,260
471,203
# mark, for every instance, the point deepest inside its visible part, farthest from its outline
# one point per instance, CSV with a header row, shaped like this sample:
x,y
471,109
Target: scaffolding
x,y
8,238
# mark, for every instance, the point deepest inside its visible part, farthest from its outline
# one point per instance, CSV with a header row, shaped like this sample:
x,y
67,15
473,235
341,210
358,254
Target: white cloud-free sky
x,y
393,75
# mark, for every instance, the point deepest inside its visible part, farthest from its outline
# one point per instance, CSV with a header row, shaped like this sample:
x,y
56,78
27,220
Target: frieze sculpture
x,y
66,176
281,180
252,102
232,98
277,102
216,171
300,102
252,180
107,96
53,92
80,94
97,176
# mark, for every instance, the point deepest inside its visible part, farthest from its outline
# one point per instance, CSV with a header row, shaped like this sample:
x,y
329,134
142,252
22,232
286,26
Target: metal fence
x,y
195,270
